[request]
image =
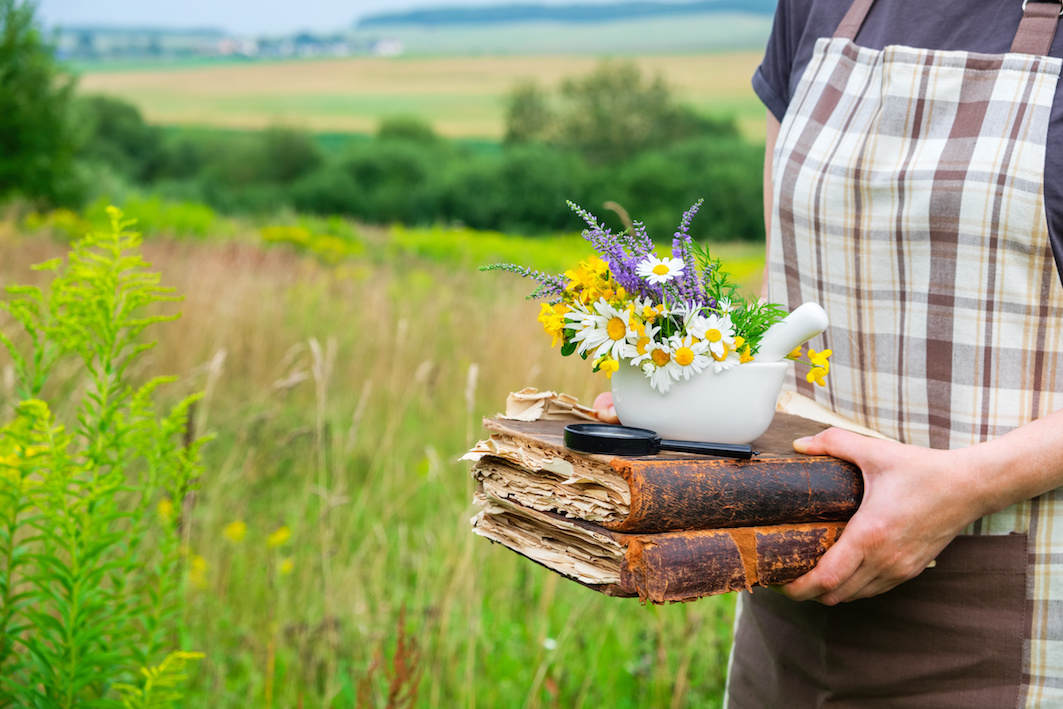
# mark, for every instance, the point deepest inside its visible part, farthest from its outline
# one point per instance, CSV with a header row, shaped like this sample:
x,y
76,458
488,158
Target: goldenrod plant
x,y
93,485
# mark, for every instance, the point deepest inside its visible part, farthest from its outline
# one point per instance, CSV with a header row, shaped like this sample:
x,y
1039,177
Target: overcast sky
x,y
251,17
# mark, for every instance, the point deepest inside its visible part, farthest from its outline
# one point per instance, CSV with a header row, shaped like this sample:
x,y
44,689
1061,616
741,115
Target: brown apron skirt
x,y
951,637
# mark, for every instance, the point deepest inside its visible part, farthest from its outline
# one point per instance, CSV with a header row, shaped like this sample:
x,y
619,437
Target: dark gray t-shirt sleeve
x,y
771,80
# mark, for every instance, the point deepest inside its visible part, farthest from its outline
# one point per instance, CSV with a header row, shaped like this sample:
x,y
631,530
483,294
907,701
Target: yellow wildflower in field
x,y
165,510
287,565
279,537
9,468
197,571
235,531
553,319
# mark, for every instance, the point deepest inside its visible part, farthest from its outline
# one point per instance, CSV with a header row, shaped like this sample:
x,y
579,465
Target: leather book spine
x,y
683,566
672,494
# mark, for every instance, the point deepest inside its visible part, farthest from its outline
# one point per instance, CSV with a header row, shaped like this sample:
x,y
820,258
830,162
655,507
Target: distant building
x,y
387,48
229,47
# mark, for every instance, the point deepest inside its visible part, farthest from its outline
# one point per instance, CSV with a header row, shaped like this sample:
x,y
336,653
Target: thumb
x,y
834,442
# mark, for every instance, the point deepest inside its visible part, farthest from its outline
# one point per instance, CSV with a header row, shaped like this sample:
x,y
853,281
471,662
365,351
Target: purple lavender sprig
x,y
683,248
549,286
623,252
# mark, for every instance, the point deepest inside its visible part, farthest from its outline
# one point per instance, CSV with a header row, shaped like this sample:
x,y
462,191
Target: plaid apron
x,y
908,201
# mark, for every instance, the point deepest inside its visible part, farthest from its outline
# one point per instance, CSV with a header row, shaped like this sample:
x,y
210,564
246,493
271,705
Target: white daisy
x,y
717,331
642,343
688,356
657,369
603,331
656,270
690,312
731,359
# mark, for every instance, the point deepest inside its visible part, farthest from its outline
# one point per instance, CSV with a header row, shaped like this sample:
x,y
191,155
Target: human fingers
x,y
836,569
836,442
603,407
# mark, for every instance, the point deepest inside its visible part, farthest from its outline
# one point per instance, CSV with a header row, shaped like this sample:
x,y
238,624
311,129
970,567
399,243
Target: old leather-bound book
x,y
528,463
659,568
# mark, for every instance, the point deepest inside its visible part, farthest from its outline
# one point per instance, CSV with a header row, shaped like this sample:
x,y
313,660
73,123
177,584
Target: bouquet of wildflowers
x,y
672,317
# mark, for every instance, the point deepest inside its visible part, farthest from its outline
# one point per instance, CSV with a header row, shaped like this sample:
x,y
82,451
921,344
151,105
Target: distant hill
x,y
575,13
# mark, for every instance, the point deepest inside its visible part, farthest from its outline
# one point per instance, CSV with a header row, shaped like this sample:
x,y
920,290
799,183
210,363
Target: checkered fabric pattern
x,y
909,203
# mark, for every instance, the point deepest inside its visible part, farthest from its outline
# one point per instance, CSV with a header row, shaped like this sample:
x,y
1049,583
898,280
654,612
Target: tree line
x,y
529,12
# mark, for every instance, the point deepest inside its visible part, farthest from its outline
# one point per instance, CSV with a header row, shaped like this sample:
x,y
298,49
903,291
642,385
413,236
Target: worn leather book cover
x,y
658,568
527,462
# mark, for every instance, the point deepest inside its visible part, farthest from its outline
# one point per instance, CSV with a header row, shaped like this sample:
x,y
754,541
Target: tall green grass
x,y
332,521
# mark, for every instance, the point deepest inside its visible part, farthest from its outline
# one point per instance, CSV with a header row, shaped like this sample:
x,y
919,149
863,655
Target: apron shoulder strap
x,y
853,20
1034,36
1037,28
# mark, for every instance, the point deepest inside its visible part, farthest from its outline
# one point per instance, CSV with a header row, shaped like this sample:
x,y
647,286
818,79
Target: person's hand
x,y
603,407
916,500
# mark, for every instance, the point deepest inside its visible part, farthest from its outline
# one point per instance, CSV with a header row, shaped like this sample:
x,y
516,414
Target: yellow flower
x,y
165,510
197,571
287,565
745,355
553,319
820,358
235,531
816,374
608,365
279,537
795,353
592,280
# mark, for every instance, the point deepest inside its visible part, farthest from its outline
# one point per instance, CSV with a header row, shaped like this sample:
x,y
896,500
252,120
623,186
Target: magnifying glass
x,y
625,440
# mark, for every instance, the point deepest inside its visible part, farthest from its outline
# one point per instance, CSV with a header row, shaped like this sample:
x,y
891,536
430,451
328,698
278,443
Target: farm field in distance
x,y
460,96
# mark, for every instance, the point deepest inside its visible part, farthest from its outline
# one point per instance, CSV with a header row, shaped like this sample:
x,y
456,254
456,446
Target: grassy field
x,y
342,396
460,96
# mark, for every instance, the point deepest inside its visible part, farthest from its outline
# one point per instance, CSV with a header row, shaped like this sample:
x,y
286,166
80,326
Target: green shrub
x,y
285,154
522,190
726,173
118,136
158,216
407,129
396,179
329,248
329,190
91,568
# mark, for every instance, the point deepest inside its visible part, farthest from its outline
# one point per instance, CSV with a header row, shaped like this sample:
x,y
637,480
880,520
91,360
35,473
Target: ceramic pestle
x,y
795,329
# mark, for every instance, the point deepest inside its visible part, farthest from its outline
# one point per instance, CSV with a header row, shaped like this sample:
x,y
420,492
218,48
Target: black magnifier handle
x,y
727,450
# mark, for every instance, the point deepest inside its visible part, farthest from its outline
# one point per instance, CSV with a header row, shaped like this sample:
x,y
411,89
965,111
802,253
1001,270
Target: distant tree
x,y
37,137
119,136
407,128
288,154
608,116
529,116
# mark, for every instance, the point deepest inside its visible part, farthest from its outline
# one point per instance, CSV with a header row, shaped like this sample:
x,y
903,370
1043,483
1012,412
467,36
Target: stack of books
x,y
664,528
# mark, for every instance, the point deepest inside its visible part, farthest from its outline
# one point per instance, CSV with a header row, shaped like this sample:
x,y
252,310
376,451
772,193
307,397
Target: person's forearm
x,y
1019,465
916,500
